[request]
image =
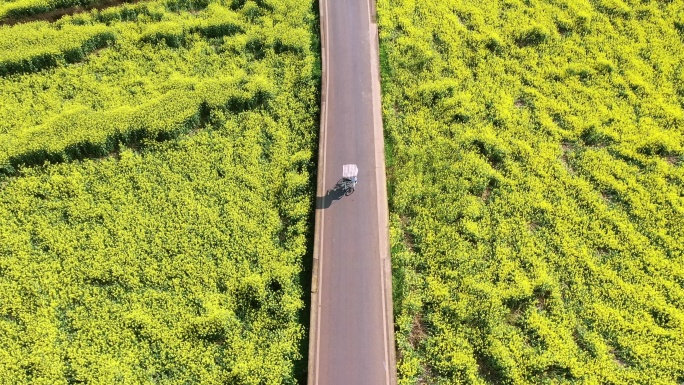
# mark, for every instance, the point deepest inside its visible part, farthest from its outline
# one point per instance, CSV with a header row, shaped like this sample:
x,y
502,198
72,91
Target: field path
x,y
53,15
352,334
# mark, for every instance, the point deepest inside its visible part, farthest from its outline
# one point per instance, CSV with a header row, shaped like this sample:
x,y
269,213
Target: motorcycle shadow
x,y
326,201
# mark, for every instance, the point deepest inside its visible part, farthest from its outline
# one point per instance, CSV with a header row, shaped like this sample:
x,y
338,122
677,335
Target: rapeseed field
x,y
156,192
536,173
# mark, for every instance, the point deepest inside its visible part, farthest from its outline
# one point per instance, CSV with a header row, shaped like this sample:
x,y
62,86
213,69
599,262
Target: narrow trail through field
x,y
352,334
56,14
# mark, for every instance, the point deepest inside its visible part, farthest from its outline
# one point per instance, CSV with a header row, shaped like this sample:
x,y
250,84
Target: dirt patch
x,y
418,334
426,377
114,154
417,331
566,148
618,359
514,316
542,297
57,14
409,239
609,197
489,369
520,103
97,52
541,303
397,110
673,160
486,193
489,189
194,131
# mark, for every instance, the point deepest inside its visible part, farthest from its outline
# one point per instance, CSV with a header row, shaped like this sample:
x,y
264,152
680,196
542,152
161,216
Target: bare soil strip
x,y
58,13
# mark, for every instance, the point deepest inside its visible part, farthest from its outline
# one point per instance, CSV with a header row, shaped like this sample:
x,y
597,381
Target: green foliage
x,y
154,211
72,135
88,110
217,22
42,46
21,8
533,36
537,190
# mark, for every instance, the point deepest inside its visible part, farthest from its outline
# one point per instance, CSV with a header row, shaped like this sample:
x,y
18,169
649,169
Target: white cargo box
x,y
349,170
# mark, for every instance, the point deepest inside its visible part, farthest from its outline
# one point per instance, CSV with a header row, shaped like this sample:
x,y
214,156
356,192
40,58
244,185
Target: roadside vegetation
x,y
156,192
536,162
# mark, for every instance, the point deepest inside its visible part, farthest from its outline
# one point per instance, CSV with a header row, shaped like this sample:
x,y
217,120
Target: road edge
x,y
312,375
383,207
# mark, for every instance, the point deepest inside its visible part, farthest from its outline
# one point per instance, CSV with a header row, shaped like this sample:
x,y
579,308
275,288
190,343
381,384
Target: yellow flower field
x,y
156,194
536,162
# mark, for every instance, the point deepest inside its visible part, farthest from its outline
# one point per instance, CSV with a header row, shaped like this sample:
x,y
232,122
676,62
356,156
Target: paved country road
x,y
352,336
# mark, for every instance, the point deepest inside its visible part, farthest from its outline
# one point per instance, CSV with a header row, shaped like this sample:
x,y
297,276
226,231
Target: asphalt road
x,y
352,338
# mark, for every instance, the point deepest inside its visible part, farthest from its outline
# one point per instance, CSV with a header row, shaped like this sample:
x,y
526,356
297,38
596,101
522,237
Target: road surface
x,y
352,336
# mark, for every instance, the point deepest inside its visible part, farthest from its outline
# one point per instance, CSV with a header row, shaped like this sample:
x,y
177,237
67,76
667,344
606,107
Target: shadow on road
x,y
326,201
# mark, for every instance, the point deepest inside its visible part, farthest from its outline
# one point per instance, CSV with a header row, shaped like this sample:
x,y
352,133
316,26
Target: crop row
x,y
43,46
173,33
72,135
